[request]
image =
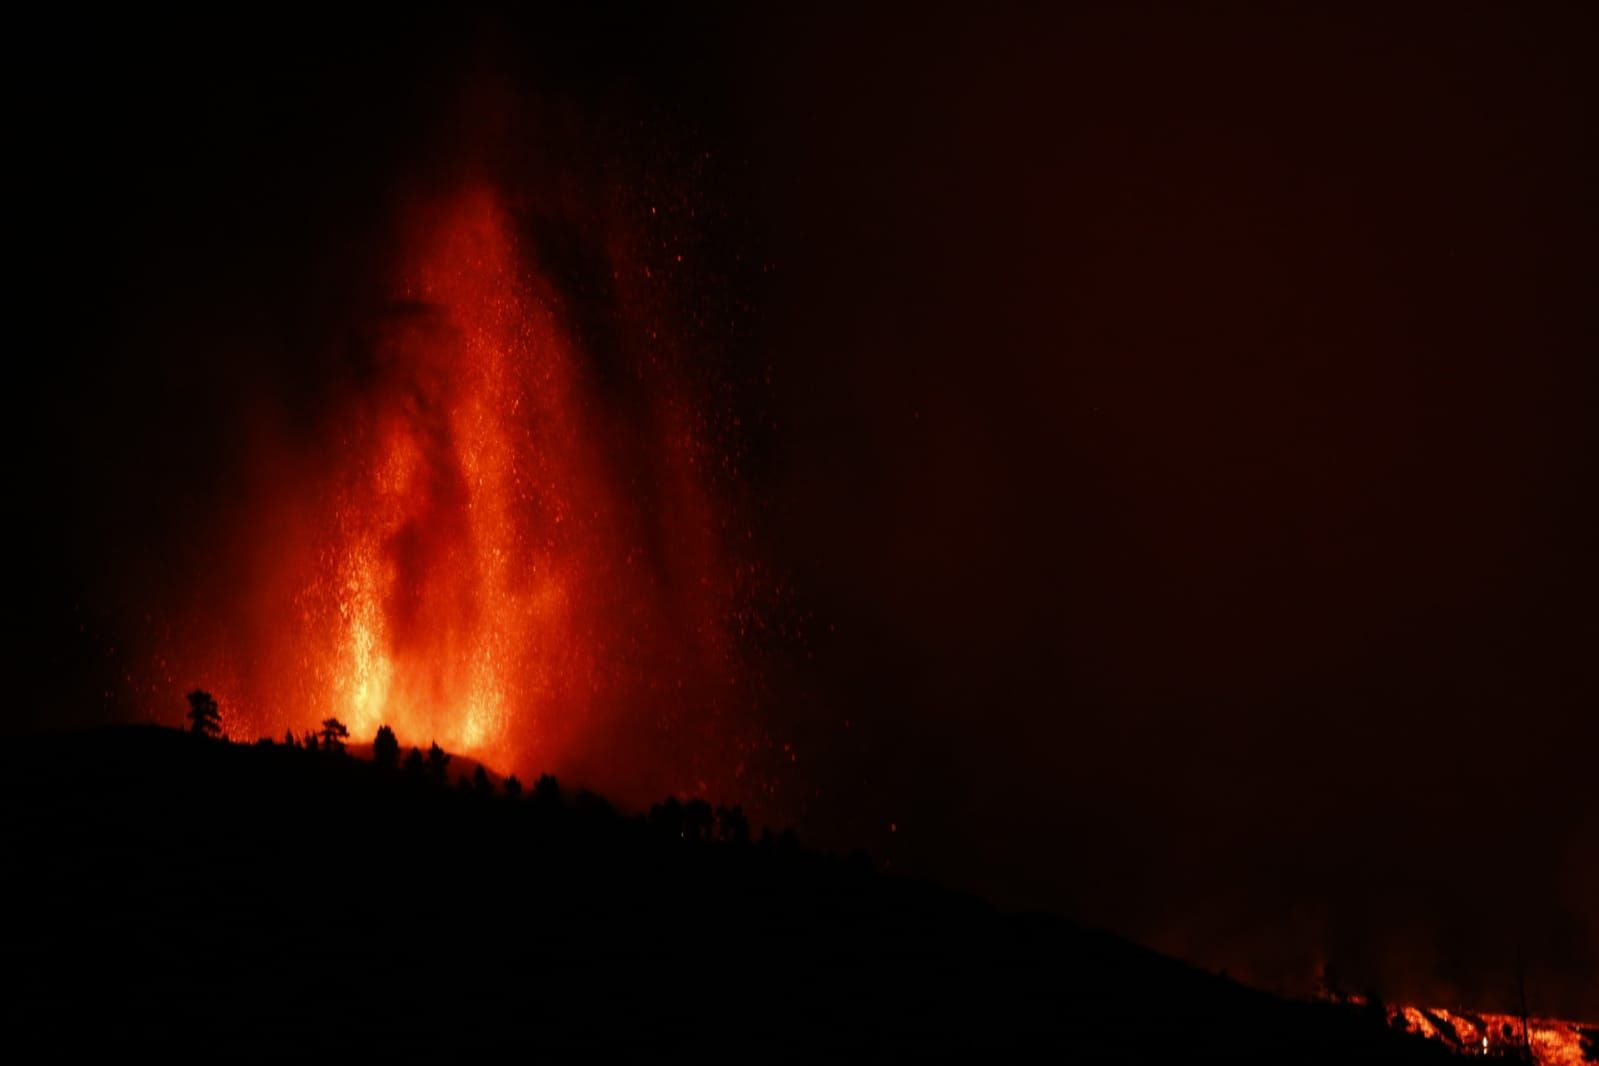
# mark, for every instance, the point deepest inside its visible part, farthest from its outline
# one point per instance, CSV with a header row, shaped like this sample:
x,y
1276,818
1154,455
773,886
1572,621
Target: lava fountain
x,y
487,548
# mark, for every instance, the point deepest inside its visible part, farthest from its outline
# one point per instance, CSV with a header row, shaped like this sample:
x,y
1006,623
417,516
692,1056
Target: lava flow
x,y
488,548
1546,1041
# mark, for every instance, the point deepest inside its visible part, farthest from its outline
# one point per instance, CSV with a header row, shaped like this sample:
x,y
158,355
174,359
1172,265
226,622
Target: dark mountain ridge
x,y
257,901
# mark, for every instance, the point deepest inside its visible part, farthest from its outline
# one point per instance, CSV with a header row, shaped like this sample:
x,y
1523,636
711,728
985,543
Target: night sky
x,y
1166,436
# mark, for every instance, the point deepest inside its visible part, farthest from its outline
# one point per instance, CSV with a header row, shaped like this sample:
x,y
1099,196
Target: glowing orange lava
x,y
485,549
460,527
1548,1041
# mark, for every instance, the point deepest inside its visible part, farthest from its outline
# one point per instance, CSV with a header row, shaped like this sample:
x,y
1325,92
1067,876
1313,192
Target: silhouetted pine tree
x,y
481,783
513,787
334,734
385,749
204,714
415,765
547,791
438,763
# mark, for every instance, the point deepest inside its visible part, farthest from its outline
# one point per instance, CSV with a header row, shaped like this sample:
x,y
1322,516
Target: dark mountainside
x,y
261,902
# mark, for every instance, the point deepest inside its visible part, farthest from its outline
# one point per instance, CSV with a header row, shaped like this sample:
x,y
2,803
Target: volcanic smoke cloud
x,y
487,550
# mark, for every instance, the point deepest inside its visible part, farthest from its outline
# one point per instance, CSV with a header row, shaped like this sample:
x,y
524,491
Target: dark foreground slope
x,y
267,903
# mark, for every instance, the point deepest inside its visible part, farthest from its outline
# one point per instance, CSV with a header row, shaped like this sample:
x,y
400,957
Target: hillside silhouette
x,y
263,902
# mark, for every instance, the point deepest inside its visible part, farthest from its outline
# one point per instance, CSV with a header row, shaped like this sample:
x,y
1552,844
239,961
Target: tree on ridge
x,y
385,749
334,734
205,715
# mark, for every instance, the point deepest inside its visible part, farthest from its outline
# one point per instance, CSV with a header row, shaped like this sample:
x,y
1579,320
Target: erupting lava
x,y
497,546
467,514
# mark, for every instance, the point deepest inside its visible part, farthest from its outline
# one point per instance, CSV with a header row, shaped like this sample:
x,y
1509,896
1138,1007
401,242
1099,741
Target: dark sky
x,y
1176,427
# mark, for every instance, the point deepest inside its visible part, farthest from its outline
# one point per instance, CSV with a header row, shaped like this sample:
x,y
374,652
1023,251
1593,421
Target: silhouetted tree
x,y
334,734
415,765
204,714
547,791
513,787
438,763
385,749
310,741
732,826
289,740
481,783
